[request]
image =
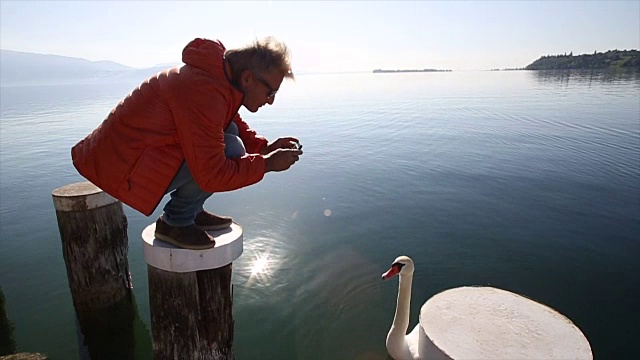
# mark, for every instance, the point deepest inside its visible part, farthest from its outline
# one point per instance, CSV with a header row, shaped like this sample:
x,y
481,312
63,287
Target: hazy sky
x,y
326,36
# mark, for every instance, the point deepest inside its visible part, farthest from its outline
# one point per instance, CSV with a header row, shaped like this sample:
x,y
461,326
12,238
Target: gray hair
x,y
262,56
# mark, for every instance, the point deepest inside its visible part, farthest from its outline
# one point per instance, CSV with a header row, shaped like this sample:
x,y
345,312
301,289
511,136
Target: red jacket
x,y
178,114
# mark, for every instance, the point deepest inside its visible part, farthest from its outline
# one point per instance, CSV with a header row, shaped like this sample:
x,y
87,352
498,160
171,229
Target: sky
x,y
325,36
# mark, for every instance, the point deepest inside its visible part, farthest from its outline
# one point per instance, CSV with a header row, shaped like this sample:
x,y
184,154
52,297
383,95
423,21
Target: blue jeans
x,y
187,198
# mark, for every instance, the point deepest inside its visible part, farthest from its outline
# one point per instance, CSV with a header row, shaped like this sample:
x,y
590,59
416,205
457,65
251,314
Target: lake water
x,y
527,181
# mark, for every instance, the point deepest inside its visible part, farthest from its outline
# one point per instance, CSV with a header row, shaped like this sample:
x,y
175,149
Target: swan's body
x,y
479,322
400,345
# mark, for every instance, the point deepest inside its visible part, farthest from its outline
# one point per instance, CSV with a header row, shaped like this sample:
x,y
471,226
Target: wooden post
x,y
93,230
190,296
7,339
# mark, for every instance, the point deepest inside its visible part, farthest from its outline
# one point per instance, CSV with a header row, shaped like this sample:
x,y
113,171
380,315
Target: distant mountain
x,y
609,59
23,68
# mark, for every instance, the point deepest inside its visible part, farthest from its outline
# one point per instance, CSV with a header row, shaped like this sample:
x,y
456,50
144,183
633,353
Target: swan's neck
x,y
401,319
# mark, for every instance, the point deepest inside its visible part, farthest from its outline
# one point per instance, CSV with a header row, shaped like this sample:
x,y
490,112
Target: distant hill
x,y
609,59
23,68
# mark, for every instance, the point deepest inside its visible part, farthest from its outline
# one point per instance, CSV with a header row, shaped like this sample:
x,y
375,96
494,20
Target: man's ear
x,y
245,78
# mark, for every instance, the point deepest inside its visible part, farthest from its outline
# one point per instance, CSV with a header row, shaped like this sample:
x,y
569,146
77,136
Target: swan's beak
x,y
393,271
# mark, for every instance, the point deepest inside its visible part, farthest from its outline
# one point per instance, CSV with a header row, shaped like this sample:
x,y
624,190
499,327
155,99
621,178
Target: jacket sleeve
x,y
200,111
252,141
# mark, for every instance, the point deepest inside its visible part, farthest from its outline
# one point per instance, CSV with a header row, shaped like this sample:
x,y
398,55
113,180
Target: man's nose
x,y
271,99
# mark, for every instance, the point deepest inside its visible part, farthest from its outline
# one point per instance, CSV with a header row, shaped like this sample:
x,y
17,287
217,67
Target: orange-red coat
x,y
178,114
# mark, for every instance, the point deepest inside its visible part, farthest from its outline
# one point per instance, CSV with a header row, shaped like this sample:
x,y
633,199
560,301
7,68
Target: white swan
x,y
399,345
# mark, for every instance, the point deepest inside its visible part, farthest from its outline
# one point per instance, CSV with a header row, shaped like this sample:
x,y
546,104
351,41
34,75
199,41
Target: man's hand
x,y
281,159
288,142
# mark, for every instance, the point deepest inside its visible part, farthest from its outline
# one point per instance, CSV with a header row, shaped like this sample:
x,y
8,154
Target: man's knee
x,y
234,148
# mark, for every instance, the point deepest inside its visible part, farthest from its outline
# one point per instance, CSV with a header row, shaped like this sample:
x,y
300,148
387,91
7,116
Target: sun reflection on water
x,y
260,265
261,260
260,269
264,264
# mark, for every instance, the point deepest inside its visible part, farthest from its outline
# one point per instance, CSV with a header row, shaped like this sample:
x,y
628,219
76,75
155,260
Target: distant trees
x,y
611,58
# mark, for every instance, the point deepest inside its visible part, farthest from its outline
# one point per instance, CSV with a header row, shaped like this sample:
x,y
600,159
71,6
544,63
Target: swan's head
x,y
402,265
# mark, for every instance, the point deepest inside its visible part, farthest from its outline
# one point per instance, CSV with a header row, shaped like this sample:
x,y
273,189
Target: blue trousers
x,y
187,198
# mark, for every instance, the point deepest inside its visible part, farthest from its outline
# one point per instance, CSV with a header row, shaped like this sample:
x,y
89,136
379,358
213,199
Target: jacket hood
x,y
205,54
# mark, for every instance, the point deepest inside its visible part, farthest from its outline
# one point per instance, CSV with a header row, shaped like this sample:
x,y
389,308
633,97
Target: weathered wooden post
x,y
7,339
93,230
190,296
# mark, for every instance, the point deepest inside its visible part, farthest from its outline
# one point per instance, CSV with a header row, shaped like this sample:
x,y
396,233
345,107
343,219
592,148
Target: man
x,y
180,132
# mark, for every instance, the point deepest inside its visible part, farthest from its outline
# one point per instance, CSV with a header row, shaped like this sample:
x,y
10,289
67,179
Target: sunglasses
x,y
272,91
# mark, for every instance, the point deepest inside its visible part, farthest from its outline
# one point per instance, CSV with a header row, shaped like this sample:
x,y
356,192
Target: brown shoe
x,y
209,221
186,237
